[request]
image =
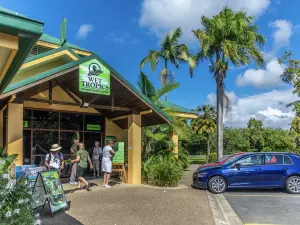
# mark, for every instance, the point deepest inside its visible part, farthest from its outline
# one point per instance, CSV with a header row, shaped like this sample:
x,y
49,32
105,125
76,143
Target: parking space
x,y
265,206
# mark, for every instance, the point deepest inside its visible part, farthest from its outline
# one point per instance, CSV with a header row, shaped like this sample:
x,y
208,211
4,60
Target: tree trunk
x,y
208,147
220,97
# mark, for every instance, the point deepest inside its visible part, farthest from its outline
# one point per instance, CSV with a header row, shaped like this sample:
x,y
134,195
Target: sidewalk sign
x,y
48,188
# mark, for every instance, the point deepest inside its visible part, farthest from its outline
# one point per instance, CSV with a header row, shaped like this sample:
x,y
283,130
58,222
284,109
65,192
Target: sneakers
x,y
73,183
107,186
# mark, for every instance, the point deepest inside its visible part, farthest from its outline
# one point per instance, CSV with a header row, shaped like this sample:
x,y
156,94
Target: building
x,y
52,91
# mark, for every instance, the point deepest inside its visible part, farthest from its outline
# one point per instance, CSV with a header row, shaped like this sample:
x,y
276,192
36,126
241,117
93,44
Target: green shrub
x,y
15,196
212,157
162,170
183,158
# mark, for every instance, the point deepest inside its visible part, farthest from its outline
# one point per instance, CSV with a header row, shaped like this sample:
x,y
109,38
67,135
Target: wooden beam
x,y
78,104
67,91
50,92
110,108
119,118
146,112
94,99
112,101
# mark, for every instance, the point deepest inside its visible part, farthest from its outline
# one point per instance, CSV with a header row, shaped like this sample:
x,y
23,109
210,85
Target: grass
x,y
195,160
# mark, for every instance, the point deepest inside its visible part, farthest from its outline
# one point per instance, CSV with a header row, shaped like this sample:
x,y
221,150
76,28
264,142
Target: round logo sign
x,y
94,69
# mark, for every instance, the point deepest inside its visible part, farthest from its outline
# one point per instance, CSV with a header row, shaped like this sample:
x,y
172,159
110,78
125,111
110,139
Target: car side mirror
x,y
237,166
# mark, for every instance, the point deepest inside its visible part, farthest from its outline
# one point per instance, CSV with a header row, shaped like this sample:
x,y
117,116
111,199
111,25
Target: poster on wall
x,y
119,150
54,190
94,78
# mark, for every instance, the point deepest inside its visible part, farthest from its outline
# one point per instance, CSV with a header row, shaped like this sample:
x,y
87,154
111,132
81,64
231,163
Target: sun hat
x,y
55,148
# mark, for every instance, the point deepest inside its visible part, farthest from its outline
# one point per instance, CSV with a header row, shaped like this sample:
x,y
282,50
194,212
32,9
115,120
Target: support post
x,y
134,148
175,141
1,128
14,131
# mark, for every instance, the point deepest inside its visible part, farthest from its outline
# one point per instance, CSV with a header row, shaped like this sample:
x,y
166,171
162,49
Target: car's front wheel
x,y
292,185
217,185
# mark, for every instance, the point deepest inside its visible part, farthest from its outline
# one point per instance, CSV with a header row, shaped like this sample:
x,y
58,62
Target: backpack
x,y
50,156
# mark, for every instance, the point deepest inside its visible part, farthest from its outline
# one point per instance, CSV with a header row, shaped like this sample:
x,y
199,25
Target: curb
x,y
222,211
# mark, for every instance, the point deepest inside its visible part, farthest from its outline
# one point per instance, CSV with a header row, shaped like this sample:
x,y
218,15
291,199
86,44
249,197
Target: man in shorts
x,y
108,154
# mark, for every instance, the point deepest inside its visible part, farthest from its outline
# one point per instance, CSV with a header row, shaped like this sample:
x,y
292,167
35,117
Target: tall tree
x,y
229,37
170,52
255,134
205,123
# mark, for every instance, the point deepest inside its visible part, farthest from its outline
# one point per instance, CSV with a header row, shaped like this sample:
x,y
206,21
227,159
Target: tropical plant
x,y
15,195
170,52
162,170
205,123
229,37
255,134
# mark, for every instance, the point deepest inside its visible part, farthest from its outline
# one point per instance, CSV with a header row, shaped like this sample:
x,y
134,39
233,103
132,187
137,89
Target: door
x,y
249,172
275,169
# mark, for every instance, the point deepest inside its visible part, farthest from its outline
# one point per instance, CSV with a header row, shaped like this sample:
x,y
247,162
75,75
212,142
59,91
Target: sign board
x,y
54,190
119,150
39,194
95,127
108,138
25,124
94,77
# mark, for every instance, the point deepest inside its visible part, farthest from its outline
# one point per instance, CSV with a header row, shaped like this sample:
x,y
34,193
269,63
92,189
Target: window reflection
x,y
45,119
71,121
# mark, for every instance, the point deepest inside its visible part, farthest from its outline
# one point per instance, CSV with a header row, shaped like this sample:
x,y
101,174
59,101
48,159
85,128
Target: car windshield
x,y
231,160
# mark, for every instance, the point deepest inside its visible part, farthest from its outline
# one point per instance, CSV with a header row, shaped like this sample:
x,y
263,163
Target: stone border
x,y
222,211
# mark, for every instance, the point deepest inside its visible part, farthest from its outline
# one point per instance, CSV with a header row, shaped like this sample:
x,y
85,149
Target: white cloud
x,y
283,30
84,31
262,78
160,16
269,107
125,37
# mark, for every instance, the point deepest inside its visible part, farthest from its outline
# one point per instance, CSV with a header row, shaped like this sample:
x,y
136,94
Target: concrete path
x,y
135,205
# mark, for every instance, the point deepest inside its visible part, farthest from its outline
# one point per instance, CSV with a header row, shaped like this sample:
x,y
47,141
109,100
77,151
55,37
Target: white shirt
x,y
106,152
96,152
55,161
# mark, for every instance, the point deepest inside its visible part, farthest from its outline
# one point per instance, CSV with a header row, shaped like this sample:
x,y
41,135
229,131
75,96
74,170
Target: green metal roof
x,y
66,66
176,108
28,31
53,40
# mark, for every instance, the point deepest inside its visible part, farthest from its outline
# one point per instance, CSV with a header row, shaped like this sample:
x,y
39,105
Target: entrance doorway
x,y
41,129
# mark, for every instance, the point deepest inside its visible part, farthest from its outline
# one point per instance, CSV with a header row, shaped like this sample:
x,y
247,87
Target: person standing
x,y
97,152
108,154
82,159
55,159
74,149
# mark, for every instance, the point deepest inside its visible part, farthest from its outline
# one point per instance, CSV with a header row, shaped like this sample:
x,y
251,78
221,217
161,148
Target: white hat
x,y
55,148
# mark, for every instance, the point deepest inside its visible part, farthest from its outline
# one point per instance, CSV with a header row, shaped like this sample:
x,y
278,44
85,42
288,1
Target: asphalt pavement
x,y
265,206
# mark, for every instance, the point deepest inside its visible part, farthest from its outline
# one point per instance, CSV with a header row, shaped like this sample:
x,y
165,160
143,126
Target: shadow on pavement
x,y
59,218
276,190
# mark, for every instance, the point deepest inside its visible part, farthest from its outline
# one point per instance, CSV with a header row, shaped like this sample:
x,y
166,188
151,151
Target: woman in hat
x,y
82,159
55,159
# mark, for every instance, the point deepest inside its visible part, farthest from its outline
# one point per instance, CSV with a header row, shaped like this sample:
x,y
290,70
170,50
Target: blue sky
x,y
122,32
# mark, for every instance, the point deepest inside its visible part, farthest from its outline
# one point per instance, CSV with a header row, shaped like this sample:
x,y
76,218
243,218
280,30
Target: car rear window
x,y
277,159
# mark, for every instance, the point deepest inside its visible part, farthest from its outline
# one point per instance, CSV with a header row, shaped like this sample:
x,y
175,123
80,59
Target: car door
x,y
248,173
276,169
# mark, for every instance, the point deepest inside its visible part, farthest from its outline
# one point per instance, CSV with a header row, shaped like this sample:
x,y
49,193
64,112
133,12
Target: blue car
x,y
252,170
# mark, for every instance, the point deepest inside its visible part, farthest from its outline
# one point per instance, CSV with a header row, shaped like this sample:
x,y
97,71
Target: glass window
x,y
71,121
250,160
27,147
27,119
94,123
45,119
287,160
274,159
66,141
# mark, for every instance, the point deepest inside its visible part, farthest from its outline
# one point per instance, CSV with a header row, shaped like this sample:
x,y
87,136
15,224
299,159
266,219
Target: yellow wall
x,y
134,149
114,130
175,141
14,132
38,69
1,129
59,95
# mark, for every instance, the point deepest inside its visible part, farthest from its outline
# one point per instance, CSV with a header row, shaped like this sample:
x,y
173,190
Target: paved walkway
x,y
135,205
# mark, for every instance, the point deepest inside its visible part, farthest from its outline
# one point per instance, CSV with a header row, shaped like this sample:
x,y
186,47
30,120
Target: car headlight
x,y
202,174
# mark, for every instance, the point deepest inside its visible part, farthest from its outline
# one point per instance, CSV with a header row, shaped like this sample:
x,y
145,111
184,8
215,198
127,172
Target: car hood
x,y
207,169
209,165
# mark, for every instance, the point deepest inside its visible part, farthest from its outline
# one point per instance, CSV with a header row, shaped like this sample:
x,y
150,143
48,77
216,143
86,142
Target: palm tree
x,y
170,52
229,37
205,123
